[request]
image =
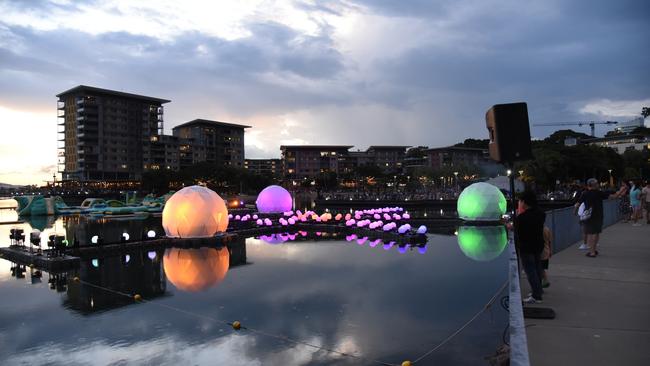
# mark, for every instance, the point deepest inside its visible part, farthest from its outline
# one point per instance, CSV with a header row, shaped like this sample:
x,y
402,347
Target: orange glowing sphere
x,y
194,212
196,269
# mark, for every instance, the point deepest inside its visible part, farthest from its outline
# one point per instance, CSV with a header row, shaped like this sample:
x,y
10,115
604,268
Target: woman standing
x,y
624,204
635,202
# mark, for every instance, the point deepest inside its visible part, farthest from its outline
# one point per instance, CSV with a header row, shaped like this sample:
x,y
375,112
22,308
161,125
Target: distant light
x,y
127,258
126,236
151,234
151,255
94,239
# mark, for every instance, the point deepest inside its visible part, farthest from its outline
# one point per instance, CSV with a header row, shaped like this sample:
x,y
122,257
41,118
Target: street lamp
x,y
456,177
611,179
509,172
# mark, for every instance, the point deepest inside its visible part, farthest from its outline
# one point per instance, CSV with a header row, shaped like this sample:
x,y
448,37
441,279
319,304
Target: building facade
x,y
268,167
110,136
211,141
104,134
388,158
301,161
456,157
621,143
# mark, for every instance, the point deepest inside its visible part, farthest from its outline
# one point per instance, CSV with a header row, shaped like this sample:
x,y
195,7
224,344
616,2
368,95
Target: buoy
x,y
406,363
236,325
76,279
137,297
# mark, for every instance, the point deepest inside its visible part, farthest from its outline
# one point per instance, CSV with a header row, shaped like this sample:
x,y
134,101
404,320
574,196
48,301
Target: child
x,y
546,254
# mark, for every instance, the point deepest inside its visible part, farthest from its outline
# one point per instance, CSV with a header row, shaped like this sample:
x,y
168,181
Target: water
x,y
324,290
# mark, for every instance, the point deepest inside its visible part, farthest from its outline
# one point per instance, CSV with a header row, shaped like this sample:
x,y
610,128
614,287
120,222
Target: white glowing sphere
x,y
126,236
151,234
194,212
94,239
422,229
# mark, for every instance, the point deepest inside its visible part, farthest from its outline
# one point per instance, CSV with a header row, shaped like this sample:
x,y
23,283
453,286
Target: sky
x,y
357,72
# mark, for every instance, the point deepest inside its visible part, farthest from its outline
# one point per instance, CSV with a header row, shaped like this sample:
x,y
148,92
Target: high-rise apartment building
x,y
104,134
212,141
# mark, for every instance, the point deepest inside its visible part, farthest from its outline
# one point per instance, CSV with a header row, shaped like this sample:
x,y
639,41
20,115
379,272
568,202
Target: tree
x,y
559,136
645,112
637,163
474,143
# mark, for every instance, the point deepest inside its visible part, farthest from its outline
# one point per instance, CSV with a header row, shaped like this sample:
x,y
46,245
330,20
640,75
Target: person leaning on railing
x,y
592,218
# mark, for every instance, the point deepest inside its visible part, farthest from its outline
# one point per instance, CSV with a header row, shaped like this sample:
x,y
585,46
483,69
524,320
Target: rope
x,y
452,335
296,341
252,330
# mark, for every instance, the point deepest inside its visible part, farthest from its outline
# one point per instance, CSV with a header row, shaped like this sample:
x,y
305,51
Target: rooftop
x,y
314,147
207,122
92,89
387,147
456,148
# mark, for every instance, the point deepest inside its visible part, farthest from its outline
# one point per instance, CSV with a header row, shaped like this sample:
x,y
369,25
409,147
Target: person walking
x,y
529,227
593,224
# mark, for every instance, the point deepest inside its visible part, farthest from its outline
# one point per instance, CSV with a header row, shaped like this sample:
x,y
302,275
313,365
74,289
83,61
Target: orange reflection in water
x,y
196,269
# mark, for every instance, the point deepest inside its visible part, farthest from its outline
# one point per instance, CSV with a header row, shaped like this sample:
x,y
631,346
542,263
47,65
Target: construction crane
x,y
591,124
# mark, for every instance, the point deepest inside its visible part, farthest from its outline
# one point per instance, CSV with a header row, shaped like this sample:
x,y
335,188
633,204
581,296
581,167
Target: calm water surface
x,y
354,296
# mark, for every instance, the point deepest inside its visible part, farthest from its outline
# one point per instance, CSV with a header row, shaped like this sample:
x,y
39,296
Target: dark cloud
x,y
555,55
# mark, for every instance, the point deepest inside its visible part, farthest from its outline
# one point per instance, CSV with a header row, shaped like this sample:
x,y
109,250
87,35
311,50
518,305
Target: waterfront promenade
x,y
602,304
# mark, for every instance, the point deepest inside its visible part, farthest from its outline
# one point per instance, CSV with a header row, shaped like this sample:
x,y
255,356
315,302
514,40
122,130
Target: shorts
x,y
593,226
545,263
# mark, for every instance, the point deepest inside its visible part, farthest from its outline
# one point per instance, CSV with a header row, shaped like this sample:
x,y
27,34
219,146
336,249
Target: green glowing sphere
x,y
482,243
481,202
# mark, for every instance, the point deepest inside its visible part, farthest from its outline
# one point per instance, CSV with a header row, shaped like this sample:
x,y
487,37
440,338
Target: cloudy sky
x,y
330,72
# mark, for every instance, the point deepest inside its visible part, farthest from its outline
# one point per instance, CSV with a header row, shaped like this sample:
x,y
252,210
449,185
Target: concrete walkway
x,y
602,304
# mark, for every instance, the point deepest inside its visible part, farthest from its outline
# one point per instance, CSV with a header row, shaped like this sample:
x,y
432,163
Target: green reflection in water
x,y
482,243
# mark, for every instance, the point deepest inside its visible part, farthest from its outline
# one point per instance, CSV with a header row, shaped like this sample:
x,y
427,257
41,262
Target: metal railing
x,y
566,228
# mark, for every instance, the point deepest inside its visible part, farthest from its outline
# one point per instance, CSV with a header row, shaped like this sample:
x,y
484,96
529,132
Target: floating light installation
x,y
274,199
194,212
481,202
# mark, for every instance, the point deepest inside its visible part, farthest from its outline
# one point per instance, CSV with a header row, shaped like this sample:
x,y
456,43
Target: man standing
x,y
529,226
593,226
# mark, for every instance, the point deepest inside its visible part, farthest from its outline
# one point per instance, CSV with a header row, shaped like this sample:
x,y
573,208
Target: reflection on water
x,y
482,243
134,272
318,289
196,269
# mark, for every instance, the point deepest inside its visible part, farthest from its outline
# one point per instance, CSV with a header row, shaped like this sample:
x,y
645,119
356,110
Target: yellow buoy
x,y
406,363
236,325
76,279
137,297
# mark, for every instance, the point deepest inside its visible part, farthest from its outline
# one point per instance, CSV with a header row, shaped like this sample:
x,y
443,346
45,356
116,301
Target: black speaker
x,y
509,132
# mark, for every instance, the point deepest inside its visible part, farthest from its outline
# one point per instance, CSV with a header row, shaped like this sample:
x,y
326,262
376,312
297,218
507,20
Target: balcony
x,y
60,105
